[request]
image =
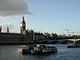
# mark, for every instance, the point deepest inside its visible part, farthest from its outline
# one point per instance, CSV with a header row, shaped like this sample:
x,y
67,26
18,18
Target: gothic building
x,y
16,38
23,26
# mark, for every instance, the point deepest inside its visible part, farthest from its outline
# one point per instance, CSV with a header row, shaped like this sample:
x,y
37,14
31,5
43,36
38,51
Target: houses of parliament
x,y
16,38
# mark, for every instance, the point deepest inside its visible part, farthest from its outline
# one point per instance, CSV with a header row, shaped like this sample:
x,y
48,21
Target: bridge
x,y
74,39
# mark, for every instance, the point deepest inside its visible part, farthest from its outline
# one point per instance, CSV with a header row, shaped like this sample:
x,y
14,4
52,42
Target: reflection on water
x,y
37,57
10,52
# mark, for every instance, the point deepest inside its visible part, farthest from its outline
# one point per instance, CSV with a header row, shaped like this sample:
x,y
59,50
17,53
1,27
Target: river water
x,y
10,52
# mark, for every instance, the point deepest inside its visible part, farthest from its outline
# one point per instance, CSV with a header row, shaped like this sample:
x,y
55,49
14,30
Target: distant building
x,y
0,29
7,29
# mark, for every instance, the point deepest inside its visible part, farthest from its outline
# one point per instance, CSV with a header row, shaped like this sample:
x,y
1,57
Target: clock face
x,y
20,24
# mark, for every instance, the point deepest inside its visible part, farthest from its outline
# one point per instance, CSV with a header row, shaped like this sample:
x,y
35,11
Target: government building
x,y
23,37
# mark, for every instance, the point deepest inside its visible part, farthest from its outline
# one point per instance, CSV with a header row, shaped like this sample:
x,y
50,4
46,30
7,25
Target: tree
x,y
54,36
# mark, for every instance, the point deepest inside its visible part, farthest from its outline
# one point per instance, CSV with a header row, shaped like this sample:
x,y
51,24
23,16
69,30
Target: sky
x,y
53,16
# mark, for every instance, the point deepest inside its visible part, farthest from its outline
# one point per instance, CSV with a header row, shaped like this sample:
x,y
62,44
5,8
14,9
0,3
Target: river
x,y
10,52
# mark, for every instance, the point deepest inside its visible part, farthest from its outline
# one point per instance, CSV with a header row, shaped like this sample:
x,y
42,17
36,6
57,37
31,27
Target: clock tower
x,y
22,26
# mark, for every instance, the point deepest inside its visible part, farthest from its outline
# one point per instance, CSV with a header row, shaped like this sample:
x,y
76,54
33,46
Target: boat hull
x,y
40,50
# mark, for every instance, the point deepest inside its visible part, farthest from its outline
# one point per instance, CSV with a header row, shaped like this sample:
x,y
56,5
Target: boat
x,y
73,46
49,50
39,49
25,49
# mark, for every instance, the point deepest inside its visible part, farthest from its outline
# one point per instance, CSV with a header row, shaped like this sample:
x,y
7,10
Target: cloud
x,y
13,7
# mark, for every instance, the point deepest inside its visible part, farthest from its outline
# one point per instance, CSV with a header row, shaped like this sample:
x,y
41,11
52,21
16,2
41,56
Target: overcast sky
x,y
13,7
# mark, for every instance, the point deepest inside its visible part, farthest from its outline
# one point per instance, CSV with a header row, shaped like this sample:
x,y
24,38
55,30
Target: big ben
x,y
22,25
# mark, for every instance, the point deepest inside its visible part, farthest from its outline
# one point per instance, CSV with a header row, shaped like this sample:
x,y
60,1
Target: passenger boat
x,y
74,46
39,49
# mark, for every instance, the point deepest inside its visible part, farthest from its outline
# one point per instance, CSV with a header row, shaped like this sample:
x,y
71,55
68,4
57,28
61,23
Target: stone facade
x,y
14,38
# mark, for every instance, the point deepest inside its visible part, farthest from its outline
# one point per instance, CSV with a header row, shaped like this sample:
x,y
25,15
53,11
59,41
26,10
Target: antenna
x,y
67,30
